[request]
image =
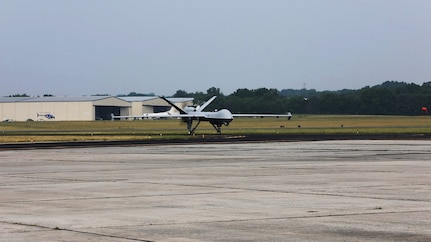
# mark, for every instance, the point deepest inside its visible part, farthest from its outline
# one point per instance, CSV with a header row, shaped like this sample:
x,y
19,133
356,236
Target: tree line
x,y
388,98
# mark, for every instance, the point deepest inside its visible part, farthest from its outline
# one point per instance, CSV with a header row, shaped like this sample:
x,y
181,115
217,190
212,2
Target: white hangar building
x,y
81,108
142,105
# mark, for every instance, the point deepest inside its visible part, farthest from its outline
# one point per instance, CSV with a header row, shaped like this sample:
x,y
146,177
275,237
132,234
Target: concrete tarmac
x,y
358,190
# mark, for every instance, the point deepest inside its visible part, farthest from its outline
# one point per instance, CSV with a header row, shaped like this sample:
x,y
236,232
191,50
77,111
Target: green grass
x,y
168,129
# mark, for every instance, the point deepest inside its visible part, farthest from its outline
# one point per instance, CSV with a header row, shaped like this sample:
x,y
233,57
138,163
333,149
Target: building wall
x,y
83,110
8,111
146,109
79,111
136,109
140,107
62,111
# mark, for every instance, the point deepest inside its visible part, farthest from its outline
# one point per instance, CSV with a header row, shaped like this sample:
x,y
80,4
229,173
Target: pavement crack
x,y
313,214
117,197
293,192
74,231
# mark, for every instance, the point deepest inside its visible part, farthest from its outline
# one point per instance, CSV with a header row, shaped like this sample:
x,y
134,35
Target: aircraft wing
x,y
160,115
173,105
173,115
252,115
203,106
126,116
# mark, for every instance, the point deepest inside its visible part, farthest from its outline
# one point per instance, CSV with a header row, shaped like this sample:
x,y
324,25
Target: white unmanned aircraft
x,y
189,114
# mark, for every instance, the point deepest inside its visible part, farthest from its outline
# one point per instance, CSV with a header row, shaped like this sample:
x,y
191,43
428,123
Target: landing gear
x,y
190,127
217,124
217,127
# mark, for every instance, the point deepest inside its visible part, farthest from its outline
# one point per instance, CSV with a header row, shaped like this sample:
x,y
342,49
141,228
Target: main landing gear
x,y
217,126
190,127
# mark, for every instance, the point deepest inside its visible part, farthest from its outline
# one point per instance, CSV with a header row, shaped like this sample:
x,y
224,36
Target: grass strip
x,y
170,129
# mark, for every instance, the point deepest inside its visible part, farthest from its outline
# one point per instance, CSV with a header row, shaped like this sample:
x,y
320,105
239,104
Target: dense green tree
x,y
213,91
182,93
19,95
388,98
131,94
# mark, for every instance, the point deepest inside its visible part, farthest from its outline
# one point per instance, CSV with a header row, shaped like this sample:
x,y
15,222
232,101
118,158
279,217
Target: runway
x,y
349,190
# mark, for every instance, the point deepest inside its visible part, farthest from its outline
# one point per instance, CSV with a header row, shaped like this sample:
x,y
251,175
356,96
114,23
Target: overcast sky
x,y
85,47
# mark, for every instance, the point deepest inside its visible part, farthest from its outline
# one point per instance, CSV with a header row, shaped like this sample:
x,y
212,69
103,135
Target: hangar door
x,y
104,112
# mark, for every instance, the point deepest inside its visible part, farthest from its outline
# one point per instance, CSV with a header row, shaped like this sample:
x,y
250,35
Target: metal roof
x,y
180,99
138,99
85,99
146,98
13,99
53,99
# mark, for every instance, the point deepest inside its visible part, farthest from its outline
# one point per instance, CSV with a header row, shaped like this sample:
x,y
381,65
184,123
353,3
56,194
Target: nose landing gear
x,y
217,127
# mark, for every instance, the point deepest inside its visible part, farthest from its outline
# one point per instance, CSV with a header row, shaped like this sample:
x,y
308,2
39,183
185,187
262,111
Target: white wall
x,y
63,111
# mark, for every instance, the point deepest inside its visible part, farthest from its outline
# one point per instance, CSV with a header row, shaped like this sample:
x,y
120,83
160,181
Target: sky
x,y
87,47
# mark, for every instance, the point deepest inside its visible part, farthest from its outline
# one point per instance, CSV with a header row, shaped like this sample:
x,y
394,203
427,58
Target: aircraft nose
x,y
226,114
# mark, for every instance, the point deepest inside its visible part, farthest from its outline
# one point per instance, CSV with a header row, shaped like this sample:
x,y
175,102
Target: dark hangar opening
x,y
104,112
159,109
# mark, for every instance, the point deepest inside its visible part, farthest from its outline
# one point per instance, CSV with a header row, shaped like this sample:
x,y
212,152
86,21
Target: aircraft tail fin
x,y
173,105
203,106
